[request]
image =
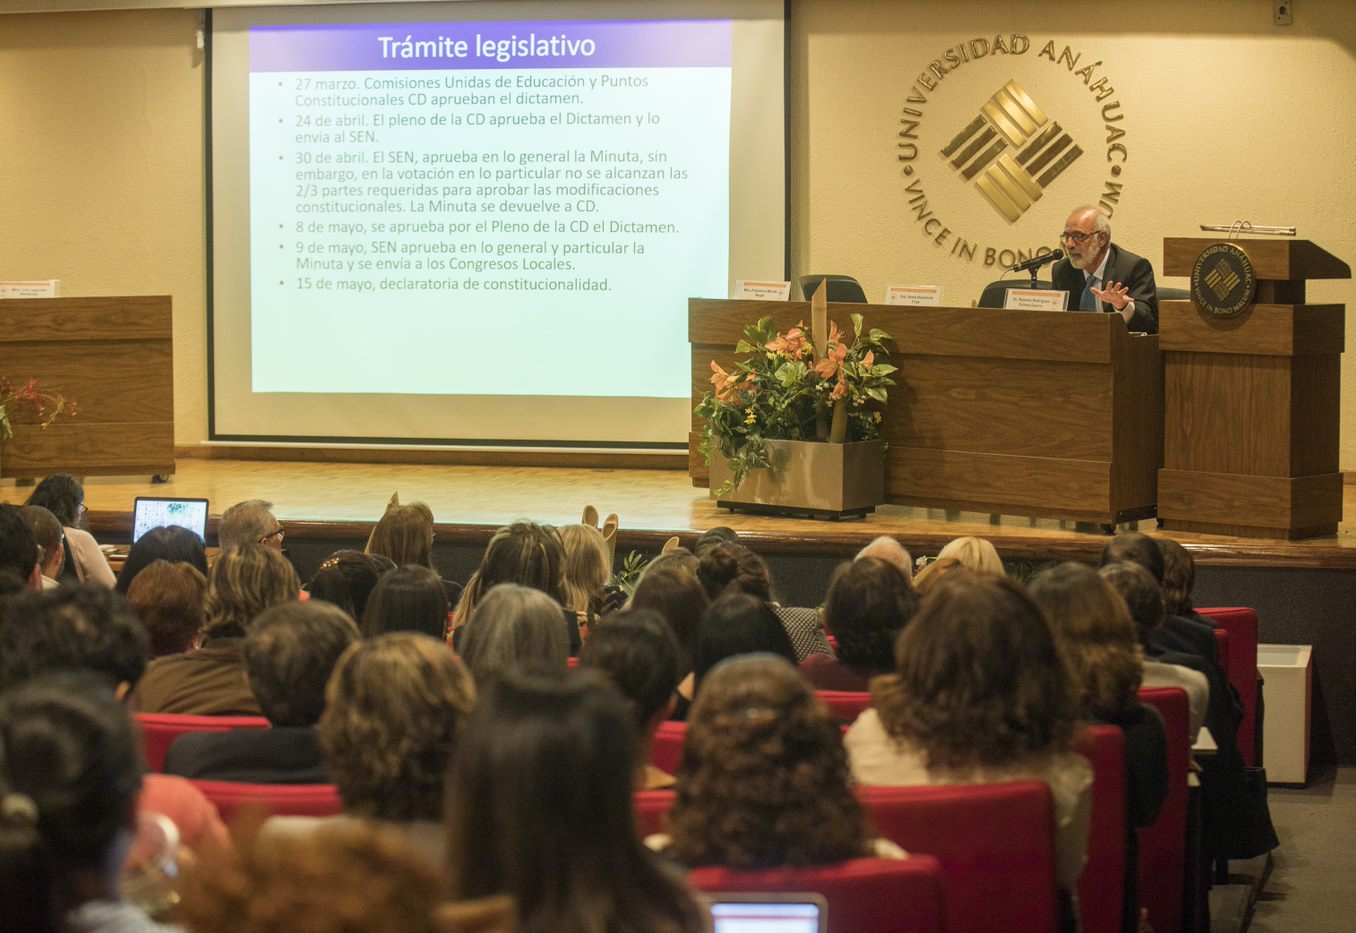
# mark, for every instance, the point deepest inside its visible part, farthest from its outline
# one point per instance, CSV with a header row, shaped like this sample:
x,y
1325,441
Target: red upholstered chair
x,y
666,753
1241,624
651,808
1101,888
846,705
995,842
867,895
1222,643
1163,846
158,730
275,799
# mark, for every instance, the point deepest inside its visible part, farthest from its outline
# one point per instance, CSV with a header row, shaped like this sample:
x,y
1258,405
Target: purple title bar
x,y
442,46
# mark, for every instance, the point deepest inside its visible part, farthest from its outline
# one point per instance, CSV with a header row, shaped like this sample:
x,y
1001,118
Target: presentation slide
x,y
478,230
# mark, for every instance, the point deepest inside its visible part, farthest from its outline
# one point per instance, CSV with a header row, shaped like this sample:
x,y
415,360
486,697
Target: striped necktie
x,y
1089,301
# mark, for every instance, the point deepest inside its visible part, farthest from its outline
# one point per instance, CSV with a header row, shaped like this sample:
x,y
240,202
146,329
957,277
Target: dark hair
x,y
539,807
527,553
62,495
1135,548
764,779
289,653
408,599
636,650
70,772
869,603
711,537
739,624
1179,577
676,595
47,532
169,600
347,578
169,543
734,568
18,547
1142,596
79,627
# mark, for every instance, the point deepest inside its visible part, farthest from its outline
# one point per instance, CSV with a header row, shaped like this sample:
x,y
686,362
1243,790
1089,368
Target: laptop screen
x,y
769,913
150,513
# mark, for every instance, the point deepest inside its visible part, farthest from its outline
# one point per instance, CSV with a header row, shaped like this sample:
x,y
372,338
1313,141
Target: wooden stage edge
x,y
333,501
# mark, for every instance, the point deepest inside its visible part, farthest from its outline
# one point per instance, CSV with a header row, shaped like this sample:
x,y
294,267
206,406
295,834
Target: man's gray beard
x,y
1078,262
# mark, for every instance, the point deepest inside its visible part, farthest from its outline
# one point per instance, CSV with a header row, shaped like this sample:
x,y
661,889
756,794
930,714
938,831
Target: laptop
x,y
152,512
768,913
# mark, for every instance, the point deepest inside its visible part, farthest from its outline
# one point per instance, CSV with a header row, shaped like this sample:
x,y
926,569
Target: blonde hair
x,y
244,582
977,554
587,565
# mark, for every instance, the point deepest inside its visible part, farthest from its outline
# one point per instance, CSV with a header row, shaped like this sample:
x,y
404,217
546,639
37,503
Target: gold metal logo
x,y
1012,150
1222,280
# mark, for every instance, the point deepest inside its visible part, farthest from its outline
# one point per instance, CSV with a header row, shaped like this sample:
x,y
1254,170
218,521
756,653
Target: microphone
x,y
1035,262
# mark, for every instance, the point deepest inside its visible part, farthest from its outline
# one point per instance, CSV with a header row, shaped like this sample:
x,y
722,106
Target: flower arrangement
x,y
794,386
47,403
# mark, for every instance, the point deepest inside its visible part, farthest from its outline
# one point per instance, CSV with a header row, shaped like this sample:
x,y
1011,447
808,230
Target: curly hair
x,y
869,602
244,582
1097,637
405,535
734,568
978,678
393,707
764,777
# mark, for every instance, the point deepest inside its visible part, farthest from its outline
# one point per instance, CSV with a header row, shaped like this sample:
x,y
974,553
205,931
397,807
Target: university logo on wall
x,y
1011,149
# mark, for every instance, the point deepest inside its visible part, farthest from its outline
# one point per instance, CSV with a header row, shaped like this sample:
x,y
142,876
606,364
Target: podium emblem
x,y
1222,280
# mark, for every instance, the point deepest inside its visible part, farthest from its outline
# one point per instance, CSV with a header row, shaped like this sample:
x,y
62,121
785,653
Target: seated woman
x,y
513,627
168,598
346,579
869,602
976,554
408,599
764,780
585,569
404,534
738,624
63,496
168,543
733,568
539,808
980,695
671,589
69,780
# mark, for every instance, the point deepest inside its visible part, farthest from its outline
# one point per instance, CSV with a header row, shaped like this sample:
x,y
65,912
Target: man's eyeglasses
x,y
275,533
1076,236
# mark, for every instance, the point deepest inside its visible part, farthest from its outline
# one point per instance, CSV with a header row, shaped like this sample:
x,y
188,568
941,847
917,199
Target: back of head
x,y
869,603
891,551
514,627
18,547
405,535
83,627
979,680
1135,548
393,709
62,495
586,566
289,654
734,568
932,574
244,523
679,597
169,543
408,599
169,600
346,579
1179,577
637,651
976,554
1142,596
739,624
46,532
712,537
764,779
527,553
243,583
539,807
70,771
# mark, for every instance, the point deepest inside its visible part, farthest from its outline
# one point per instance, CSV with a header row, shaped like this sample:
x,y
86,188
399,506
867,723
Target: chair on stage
x,y
158,730
866,895
1101,887
995,294
995,843
1163,856
231,797
651,807
841,288
846,705
666,751
1241,624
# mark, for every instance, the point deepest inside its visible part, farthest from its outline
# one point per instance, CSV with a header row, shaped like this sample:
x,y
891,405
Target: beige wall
x,y
1225,116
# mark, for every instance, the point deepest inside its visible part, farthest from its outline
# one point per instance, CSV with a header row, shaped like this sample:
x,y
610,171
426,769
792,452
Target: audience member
x,y
764,780
933,573
1179,579
405,535
209,681
540,809
526,553
712,537
585,569
513,627
51,543
64,497
891,551
408,599
249,522
169,600
346,579
637,651
735,624
980,695
20,564
869,603
289,653
676,557
733,568
976,554
1176,633
168,543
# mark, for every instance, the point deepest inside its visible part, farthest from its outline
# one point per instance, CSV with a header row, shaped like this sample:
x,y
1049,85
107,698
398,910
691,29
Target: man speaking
x,y
1100,276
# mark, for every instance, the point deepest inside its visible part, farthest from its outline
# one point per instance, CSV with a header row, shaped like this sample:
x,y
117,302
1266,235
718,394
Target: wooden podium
x,y
1252,403
114,358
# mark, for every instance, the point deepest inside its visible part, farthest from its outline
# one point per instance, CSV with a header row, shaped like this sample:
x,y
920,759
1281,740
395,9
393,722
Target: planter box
x,y
809,478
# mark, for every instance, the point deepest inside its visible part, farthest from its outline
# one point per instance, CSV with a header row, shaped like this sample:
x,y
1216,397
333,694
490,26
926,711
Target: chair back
x,y
867,895
1163,846
158,730
840,288
1101,887
1241,624
995,843
652,806
666,752
846,705
274,799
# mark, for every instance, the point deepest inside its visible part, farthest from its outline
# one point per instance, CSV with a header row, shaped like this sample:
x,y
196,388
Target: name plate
x,y
919,295
762,291
1036,299
49,288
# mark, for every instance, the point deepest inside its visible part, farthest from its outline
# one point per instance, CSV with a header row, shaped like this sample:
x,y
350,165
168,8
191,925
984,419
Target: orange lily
x,y
792,343
724,382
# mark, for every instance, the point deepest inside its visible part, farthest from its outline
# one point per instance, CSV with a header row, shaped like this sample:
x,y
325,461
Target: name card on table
x,y
920,295
762,291
48,288
1036,299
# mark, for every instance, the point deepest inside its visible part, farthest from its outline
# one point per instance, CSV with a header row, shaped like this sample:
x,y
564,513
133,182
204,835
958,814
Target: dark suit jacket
x,y
281,755
1190,637
1134,272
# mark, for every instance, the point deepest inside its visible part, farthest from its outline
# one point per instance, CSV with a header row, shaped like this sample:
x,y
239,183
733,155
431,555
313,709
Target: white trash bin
x,y
1288,672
